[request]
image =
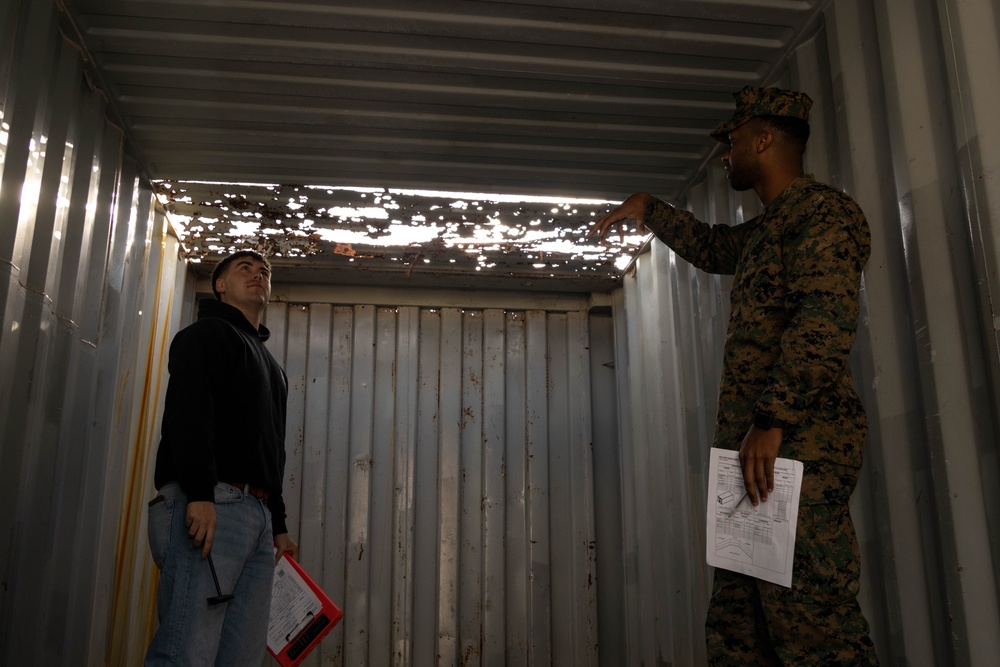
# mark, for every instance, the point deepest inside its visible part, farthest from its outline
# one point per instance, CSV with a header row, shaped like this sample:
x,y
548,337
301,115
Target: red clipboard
x,y
301,613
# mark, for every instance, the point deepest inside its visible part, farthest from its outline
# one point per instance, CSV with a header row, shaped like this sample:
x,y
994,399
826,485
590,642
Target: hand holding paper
x,y
760,540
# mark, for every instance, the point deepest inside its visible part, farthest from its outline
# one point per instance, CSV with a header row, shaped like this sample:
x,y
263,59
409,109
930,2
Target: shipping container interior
x,y
499,430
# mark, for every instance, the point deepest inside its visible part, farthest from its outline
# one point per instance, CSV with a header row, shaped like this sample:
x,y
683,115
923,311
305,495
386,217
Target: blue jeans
x,y
191,632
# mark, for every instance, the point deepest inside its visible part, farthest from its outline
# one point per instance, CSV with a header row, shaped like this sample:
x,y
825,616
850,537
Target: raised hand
x,y
630,211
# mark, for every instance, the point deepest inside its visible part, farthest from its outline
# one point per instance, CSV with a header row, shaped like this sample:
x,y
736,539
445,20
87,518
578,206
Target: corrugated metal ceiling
x,y
590,100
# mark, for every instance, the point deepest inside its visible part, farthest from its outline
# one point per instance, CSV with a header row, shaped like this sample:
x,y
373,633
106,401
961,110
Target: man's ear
x,y
220,285
763,140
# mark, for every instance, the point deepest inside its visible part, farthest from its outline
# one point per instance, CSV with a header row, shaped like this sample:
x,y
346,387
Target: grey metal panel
x,y
494,491
536,490
450,420
99,224
637,522
309,469
404,440
550,97
971,81
78,403
518,619
472,500
582,628
925,361
92,133
897,435
930,290
443,485
35,266
30,71
426,542
609,568
358,507
295,340
670,543
132,596
115,388
590,100
382,544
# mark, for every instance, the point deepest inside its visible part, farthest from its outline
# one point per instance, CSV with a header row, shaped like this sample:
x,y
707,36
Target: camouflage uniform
x,y
797,271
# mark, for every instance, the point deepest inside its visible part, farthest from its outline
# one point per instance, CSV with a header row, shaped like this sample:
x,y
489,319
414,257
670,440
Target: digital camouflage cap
x,y
753,101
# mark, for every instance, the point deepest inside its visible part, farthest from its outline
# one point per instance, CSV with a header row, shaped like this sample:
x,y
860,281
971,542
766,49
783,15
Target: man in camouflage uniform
x,y
786,387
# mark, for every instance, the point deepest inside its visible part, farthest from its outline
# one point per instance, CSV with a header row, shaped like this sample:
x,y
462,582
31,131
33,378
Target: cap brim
x,y
721,133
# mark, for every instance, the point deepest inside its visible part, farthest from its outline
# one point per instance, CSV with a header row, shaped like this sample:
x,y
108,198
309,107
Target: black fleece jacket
x,y
224,416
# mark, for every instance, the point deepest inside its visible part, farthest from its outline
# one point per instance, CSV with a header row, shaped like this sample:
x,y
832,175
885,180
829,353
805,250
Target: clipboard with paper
x,y
301,614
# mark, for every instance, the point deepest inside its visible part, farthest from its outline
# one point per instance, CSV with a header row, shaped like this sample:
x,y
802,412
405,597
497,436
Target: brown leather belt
x,y
254,491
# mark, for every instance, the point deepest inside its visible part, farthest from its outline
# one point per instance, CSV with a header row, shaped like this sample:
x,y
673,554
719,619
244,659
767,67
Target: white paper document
x,y
293,606
758,541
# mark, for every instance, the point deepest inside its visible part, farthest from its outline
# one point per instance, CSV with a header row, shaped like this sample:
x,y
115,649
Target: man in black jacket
x,y
219,471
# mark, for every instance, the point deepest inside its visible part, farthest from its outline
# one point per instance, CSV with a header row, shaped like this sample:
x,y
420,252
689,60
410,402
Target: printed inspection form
x,y
758,541
301,614
293,606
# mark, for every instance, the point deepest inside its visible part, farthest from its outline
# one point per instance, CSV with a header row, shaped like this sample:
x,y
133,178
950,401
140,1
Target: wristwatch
x,y
765,420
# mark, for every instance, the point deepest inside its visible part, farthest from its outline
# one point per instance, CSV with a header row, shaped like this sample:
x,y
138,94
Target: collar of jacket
x,y
231,314
802,181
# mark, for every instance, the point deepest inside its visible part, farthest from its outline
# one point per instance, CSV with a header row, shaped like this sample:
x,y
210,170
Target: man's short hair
x,y
223,266
795,130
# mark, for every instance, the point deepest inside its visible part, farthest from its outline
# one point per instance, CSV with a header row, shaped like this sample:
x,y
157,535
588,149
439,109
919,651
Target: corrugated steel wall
x,y
906,97
86,278
669,359
441,479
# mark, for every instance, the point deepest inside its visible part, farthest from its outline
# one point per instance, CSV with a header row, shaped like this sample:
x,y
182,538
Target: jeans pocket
x,y
226,494
161,514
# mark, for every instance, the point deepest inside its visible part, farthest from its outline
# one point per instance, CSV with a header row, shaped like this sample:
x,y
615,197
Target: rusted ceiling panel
x,y
587,100
407,237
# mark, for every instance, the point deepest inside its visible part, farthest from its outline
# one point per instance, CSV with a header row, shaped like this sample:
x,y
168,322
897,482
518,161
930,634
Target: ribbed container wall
x,y
667,410
87,274
906,95
441,480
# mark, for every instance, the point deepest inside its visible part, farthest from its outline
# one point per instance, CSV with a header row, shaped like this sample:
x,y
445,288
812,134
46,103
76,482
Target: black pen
x,y
742,500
